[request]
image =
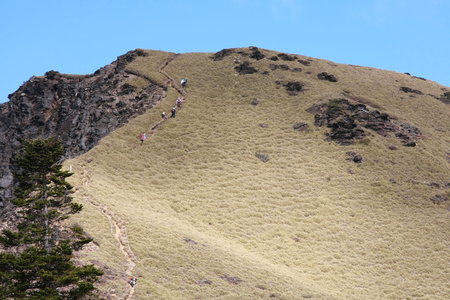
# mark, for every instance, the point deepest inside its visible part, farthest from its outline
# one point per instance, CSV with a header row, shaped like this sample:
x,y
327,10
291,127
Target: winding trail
x,y
170,82
118,228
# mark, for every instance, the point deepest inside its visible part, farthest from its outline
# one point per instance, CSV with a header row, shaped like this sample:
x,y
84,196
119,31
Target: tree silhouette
x,y
37,263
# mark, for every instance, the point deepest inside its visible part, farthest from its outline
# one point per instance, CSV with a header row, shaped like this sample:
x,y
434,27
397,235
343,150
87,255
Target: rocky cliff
x,y
78,109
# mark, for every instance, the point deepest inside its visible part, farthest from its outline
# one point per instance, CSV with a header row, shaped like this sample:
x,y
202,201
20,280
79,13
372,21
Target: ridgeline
x,y
281,176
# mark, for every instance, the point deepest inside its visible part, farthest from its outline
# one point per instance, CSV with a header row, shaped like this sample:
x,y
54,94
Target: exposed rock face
x,y
326,76
287,57
292,87
245,68
222,53
254,53
445,98
410,90
283,67
304,62
348,122
79,110
276,67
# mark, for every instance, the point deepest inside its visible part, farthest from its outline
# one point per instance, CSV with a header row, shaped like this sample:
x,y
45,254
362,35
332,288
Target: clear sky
x,y
80,36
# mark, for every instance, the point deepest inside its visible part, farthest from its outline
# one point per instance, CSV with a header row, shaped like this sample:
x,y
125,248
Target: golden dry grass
x,y
150,65
198,205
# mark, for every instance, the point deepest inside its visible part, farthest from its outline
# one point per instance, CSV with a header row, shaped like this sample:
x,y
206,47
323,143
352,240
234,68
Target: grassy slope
x,y
299,224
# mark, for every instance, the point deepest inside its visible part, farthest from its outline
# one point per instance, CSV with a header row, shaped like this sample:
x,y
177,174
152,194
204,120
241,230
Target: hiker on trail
x,y
163,115
179,102
132,281
173,111
142,137
183,82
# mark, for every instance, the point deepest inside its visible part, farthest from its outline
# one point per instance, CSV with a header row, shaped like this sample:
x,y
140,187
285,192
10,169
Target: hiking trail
x,y
171,82
118,228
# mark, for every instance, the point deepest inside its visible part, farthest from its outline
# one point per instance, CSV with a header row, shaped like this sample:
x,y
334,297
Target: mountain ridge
x,y
78,109
206,217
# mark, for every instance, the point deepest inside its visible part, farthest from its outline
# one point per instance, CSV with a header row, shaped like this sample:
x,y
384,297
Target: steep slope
x,y
232,199
78,109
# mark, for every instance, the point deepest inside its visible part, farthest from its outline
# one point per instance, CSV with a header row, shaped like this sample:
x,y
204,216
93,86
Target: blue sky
x,y
78,37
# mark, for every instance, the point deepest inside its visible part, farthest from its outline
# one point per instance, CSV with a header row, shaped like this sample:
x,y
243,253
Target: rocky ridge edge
x,y
77,109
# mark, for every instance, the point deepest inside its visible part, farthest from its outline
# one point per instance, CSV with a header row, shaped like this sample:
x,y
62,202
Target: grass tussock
x,y
207,219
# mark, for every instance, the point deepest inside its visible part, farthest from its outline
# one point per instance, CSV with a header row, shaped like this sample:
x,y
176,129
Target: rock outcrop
x,y
78,109
293,88
327,77
349,122
445,98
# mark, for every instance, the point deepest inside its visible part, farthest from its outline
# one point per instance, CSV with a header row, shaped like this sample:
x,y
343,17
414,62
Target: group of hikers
x,y
178,103
173,111
143,136
132,281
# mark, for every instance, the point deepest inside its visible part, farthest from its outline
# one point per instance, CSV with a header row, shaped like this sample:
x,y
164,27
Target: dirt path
x,y
171,82
118,229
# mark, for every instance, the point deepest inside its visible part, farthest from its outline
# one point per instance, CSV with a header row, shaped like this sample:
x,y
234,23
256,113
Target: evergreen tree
x,y
38,262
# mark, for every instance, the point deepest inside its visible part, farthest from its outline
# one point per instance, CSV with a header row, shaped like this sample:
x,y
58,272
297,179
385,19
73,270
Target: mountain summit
x,y
281,176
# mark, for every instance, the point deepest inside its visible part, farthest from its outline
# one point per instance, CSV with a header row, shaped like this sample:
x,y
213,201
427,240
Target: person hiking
x,y
173,112
183,82
142,137
163,115
132,281
179,102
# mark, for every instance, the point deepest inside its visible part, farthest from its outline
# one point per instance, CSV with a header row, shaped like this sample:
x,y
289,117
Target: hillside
x,y
282,177
78,109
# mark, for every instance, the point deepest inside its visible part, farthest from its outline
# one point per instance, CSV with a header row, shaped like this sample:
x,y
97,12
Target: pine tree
x,y
38,263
